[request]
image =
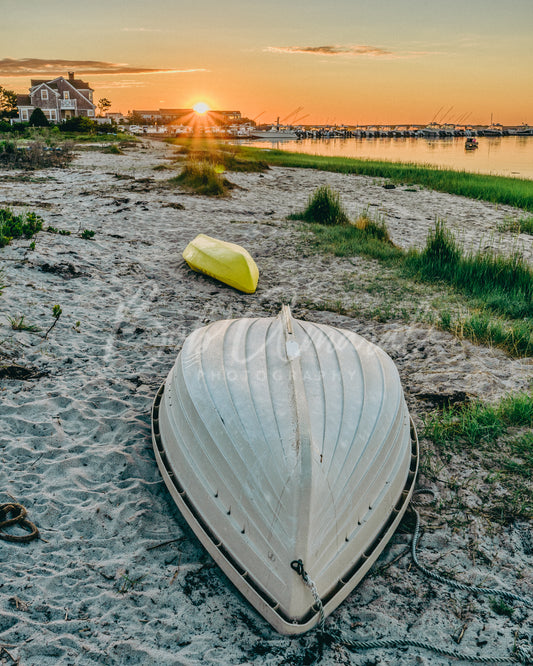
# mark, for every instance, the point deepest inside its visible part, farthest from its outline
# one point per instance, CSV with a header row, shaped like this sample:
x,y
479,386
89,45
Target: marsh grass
x,y
202,178
496,189
502,283
16,226
488,432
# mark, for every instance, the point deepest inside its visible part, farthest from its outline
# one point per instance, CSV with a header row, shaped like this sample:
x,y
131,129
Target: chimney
x,y
71,76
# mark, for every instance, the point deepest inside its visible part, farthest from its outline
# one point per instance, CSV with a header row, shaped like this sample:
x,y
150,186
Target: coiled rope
x,y
15,514
340,638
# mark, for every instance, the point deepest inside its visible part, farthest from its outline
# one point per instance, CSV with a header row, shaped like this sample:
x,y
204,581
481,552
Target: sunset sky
x,y
342,61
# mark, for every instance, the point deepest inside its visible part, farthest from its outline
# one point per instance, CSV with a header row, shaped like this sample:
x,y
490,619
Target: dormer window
x,y
44,93
66,95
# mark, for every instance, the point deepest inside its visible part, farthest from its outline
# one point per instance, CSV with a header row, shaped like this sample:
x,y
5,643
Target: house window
x,y
44,94
66,95
24,114
51,114
90,112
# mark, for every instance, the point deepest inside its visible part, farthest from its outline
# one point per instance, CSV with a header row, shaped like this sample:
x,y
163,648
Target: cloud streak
x,y
10,67
356,50
353,51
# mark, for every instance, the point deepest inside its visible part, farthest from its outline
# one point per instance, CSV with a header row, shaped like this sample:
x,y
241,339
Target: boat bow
x,y
283,440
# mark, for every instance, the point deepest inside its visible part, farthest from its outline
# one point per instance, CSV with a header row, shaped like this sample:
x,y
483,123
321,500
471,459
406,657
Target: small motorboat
x,y
471,143
228,262
288,447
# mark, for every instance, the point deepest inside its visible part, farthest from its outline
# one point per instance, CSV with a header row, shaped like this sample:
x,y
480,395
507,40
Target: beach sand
x,y
118,577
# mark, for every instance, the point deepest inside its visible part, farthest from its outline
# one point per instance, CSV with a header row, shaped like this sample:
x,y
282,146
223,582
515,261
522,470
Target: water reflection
x,y
503,156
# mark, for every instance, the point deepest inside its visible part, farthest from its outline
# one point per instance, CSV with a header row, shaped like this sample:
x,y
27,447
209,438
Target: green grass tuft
x,y
324,207
523,225
373,227
202,178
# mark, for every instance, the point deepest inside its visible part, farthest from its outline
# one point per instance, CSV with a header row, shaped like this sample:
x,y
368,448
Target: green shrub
x,y
78,124
38,119
323,207
15,226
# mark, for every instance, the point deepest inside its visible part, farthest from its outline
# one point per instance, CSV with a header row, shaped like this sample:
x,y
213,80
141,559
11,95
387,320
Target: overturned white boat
x,y
280,441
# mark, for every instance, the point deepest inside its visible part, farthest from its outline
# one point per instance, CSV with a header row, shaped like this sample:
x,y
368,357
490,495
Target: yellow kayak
x,y
227,262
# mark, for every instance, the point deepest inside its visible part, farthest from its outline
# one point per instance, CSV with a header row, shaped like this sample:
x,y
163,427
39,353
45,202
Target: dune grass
x,y
323,207
202,177
515,336
222,155
496,189
336,233
523,225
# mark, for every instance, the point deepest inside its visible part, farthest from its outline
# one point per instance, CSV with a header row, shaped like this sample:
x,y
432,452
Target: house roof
x,y
23,100
52,83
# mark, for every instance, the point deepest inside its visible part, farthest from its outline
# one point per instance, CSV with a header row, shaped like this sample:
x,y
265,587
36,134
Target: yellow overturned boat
x,y
228,262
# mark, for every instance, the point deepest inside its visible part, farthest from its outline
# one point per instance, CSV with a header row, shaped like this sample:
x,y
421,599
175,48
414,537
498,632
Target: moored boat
x,y
284,443
276,132
430,131
471,143
494,129
228,262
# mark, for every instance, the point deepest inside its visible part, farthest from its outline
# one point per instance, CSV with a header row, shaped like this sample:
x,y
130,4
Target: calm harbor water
x,y
500,156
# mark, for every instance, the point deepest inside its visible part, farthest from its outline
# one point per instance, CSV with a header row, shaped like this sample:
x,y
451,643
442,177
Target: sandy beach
x,y
117,576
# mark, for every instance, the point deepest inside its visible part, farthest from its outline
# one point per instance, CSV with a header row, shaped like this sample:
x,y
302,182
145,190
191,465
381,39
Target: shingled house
x,y
58,98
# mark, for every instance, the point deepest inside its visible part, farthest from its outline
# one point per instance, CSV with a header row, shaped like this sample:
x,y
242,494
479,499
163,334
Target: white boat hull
x,y
275,135
282,440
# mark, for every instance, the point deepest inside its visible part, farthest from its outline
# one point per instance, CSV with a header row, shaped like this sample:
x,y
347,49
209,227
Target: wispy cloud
x,y
142,30
10,67
356,50
353,50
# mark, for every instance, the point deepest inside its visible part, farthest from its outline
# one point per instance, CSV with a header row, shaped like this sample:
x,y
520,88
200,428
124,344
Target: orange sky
x,y
346,61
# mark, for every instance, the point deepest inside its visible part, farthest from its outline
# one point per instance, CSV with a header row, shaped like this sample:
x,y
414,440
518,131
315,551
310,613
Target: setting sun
x,y
201,107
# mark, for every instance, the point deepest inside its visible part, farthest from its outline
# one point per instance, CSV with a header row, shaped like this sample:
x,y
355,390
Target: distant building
x,y
116,116
58,98
180,115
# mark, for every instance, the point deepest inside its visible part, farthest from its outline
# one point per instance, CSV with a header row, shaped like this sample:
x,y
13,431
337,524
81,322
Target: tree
x,y
38,119
103,105
8,103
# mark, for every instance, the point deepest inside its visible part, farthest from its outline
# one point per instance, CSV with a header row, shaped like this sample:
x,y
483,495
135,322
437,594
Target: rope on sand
x,y
15,514
340,638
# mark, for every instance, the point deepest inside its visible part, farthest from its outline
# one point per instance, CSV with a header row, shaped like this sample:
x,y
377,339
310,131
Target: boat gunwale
x,y
246,585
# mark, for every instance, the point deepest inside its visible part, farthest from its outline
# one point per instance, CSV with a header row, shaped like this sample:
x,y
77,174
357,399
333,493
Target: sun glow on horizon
x,y
201,107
